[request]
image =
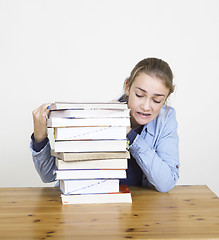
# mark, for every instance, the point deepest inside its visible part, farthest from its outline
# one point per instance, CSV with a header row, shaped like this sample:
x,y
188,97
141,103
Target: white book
x,y
89,105
92,164
89,186
69,156
124,196
87,122
90,174
89,113
90,146
77,133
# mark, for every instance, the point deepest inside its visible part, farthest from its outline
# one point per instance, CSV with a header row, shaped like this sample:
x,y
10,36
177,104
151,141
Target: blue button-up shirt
x,y
155,150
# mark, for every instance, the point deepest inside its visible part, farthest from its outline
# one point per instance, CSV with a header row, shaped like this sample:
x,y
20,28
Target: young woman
x,y
153,138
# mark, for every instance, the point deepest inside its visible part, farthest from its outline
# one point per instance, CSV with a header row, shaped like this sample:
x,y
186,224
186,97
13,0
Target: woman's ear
x,y
127,88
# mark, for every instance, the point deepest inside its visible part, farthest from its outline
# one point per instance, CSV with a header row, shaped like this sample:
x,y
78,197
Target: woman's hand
x,y
39,121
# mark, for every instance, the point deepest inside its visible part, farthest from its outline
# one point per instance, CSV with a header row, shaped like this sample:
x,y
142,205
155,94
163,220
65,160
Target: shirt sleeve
x,y
38,146
159,161
44,162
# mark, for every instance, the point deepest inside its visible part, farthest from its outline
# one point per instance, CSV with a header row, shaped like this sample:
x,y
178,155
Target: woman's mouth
x,y
144,114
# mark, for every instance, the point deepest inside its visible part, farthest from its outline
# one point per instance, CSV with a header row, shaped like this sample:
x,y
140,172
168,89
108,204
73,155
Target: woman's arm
x,y
40,146
44,163
157,153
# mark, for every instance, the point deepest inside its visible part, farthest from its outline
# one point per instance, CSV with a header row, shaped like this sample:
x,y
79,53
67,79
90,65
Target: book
x,y
87,122
90,173
90,113
69,156
89,186
90,146
92,164
89,105
124,196
77,133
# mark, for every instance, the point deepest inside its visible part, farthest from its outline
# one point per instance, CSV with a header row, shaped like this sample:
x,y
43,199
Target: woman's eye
x,y
156,101
137,95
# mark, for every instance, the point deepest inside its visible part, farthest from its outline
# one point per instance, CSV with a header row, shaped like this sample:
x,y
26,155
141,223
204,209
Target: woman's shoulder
x,y
166,112
165,121
167,117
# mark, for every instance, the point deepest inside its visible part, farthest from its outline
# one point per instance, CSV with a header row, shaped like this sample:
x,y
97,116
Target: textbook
x,y
92,164
90,173
77,133
90,146
89,105
69,156
123,196
89,113
87,122
89,186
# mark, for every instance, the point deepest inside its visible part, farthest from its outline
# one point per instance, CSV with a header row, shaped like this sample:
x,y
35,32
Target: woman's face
x,y
147,95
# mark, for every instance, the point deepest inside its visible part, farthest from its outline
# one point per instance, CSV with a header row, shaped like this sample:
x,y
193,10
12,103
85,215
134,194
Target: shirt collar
x,y
150,127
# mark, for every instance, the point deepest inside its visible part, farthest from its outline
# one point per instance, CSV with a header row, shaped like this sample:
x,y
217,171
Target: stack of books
x,y
90,146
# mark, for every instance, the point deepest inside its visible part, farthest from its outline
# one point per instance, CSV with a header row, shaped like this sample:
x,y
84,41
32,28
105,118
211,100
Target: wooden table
x,y
186,212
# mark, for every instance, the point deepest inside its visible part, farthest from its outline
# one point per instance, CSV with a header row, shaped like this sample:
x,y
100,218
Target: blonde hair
x,y
153,67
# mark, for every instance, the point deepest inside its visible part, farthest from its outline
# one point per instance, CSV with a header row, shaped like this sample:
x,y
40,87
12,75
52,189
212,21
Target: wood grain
x,y
186,212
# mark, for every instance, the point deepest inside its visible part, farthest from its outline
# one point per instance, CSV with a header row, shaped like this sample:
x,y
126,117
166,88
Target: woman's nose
x,y
146,105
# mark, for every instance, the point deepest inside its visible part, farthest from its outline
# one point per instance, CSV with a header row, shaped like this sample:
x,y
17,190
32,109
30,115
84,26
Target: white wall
x,y
83,51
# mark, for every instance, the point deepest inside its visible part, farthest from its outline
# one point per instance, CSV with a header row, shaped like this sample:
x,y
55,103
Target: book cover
x,y
69,156
90,174
124,196
120,163
87,122
78,133
89,105
90,146
89,113
89,186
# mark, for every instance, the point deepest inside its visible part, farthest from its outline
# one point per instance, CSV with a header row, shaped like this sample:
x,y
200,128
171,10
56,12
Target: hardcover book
x,y
120,163
89,105
90,174
90,146
124,196
69,156
89,186
89,113
88,122
78,133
